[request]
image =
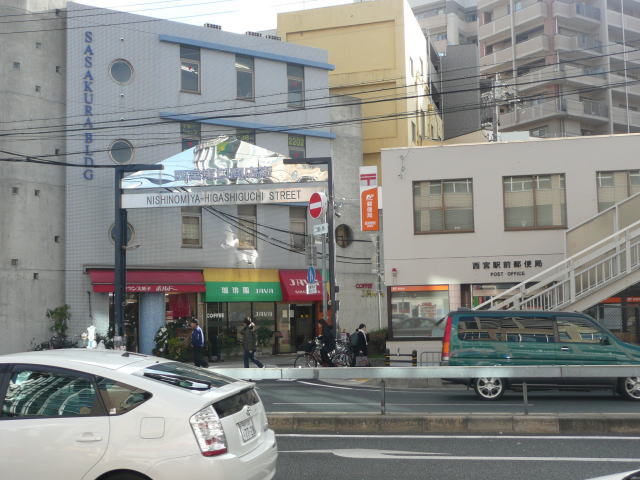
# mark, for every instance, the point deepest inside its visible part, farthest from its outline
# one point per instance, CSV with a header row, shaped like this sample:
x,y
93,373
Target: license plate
x,y
247,430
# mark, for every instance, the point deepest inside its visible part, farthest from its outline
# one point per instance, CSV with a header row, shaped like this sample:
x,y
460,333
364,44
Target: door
x,y
52,424
580,344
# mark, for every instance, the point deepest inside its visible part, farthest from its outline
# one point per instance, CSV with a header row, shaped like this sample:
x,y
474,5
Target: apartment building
x,y
447,22
572,67
380,54
32,107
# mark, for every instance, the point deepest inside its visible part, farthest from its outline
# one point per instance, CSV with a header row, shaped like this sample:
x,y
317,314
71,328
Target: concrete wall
x,y
32,102
354,267
448,258
135,110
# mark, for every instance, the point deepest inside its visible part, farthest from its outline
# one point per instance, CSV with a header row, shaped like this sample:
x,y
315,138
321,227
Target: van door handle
x,y
564,349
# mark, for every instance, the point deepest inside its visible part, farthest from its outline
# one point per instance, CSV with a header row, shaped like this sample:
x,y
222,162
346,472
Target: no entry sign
x,y
317,204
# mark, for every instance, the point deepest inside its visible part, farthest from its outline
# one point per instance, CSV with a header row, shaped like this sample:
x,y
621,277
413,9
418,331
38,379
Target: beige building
x,y
561,58
380,55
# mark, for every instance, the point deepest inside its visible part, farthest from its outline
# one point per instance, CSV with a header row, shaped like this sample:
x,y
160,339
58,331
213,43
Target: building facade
x,y
32,196
381,57
486,217
571,65
142,90
447,23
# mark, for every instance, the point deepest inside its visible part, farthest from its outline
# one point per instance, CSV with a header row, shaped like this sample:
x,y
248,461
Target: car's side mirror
x,y
605,341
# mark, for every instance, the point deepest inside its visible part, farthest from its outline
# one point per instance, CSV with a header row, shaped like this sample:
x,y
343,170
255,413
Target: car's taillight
x,y
446,341
208,430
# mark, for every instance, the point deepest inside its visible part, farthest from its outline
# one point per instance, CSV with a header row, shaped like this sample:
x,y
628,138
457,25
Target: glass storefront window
x,y
263,318
416,310
237,313
283,328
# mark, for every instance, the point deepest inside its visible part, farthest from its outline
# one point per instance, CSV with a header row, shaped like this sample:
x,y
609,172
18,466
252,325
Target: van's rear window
x,y
186,376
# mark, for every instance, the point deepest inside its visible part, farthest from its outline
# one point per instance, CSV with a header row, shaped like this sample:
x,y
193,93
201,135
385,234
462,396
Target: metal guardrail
x,y
441,372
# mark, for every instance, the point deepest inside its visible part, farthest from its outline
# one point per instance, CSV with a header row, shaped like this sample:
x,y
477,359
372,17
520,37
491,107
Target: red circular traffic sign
x,y
317,204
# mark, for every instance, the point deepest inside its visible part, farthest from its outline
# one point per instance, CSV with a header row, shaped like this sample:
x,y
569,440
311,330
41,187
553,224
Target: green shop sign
x,y
243,292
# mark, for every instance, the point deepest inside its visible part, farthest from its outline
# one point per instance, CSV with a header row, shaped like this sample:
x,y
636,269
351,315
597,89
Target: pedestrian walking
x,y
197,342
359,344
250,343
328,340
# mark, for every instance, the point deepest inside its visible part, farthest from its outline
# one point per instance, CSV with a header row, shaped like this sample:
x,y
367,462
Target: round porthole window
x,y
130,233
344,235
121,71
121,151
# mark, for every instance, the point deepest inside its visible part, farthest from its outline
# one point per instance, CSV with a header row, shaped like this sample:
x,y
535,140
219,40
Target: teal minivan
x,y
485,338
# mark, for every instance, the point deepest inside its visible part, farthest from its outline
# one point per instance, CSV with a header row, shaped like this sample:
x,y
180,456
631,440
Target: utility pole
x,y
120,240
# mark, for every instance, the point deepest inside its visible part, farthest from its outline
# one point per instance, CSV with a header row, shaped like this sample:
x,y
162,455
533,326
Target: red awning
x,y
294,286
150,281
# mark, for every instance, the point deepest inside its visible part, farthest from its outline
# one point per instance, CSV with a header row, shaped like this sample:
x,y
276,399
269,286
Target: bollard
x,y
525,398
387,358
414,358
383,397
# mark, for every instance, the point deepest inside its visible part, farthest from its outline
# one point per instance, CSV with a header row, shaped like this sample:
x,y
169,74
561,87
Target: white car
x,y
114,415
632,475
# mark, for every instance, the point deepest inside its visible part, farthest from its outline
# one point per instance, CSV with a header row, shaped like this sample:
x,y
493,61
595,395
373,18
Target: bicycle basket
x,y
309,346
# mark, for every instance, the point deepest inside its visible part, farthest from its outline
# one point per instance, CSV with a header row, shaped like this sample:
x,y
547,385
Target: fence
x,y
386,373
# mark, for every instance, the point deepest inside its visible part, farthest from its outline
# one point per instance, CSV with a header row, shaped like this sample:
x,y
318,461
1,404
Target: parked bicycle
x,y
311,356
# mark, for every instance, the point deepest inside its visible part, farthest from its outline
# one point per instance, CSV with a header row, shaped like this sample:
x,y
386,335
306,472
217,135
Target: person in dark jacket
x,y
250,343
328,339
197,342
360,346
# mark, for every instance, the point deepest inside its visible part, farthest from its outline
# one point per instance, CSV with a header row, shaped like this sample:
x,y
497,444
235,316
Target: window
x,y
416,309
58,69
534,202
121,71
16,65
488,17
578,330
120,398
614,187
244,77
539,131
192,227
517,6
297,146
344,235
121,151
38,45
34,392
441,36
189,69
247,227
414,134
191,133
38,89
246,135
506,329
443,206
295,85
298,227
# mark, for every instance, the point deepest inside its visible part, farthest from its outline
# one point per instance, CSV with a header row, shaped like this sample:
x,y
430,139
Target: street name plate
x,y
321,229
312,288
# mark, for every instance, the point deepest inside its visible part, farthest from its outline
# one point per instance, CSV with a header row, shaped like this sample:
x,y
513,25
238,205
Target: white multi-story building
x,y
142,90
485,217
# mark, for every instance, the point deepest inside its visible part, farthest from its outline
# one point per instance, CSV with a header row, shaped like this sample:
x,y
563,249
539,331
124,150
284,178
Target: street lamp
x,y
120,240
332,270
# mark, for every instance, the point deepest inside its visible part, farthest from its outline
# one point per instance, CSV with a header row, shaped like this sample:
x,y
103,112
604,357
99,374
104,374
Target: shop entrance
x,y
303,324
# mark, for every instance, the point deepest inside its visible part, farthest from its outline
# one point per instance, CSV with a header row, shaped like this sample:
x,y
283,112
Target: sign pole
x,y
324,277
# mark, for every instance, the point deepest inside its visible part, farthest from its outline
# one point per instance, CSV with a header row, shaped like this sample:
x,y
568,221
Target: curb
x,y
341,424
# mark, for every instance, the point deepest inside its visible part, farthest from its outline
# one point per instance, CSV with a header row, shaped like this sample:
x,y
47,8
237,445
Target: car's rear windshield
x,y
186,376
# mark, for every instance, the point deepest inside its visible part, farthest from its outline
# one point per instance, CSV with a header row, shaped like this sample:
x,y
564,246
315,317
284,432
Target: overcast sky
x,y
236,16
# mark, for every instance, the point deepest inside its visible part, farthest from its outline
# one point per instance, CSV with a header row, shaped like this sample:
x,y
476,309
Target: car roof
x,y
468,311
112,359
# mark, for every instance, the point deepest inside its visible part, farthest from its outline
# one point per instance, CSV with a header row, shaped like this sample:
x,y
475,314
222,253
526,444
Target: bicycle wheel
x,y
300,361
312,361
341,360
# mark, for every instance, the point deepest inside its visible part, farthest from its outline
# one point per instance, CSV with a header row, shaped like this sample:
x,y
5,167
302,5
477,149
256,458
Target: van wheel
x,y
629,388
489,388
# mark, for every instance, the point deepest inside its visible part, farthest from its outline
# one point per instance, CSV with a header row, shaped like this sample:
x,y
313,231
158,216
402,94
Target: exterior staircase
x,y
603,258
